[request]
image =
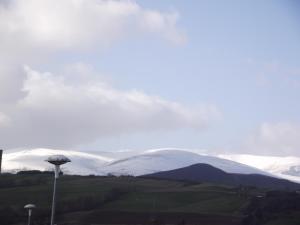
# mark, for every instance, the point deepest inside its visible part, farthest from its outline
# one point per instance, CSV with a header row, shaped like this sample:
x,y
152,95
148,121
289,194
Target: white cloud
x,y
282,138
35,31
51,110
58,113
76,24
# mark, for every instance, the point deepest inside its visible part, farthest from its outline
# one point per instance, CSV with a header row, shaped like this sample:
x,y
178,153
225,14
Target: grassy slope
x,y
121,194
93,198
139,194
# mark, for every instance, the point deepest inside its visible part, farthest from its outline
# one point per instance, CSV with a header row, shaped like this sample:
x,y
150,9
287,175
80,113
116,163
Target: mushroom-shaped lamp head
x,y
29,206
58,159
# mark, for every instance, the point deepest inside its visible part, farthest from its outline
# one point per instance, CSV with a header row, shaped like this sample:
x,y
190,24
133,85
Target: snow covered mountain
x,y
82,163
151,161
163,160
285,167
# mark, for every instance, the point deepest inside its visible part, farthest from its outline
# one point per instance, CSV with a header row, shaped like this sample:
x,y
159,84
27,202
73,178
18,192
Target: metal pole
x,y
29,216
56,160
1,152
53,202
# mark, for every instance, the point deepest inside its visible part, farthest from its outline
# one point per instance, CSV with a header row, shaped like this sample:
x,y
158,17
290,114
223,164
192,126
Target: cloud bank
x,y
45,109
56,112
79,24
33,32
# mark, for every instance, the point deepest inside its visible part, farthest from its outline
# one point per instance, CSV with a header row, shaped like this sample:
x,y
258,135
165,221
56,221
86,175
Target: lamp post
x,y
56,160
30,207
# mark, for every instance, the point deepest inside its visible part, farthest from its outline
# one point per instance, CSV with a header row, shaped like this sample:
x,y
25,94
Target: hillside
x,y
96,199
86,200
208,173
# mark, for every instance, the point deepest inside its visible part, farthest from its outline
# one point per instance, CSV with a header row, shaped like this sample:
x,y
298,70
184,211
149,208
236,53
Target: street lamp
x,y
30,207
56,160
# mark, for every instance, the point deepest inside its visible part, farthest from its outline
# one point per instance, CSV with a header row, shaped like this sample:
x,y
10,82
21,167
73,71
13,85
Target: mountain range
x,y
138,163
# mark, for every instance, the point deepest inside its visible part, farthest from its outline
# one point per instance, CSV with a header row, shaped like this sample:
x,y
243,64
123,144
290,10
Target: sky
x,y
107,75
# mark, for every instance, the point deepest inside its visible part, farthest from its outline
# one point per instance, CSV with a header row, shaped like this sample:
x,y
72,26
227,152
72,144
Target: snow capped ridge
x,y
34,159
285,167
272,163
198,151
152,153
150,161
48,152
162,149
168,159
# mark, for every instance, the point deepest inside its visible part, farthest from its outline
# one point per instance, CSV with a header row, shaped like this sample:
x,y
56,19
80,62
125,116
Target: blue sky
x,y
241,57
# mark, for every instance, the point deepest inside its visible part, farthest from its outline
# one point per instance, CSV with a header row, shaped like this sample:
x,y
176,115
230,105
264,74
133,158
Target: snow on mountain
x,y
82,163
150,161
285,167
162,160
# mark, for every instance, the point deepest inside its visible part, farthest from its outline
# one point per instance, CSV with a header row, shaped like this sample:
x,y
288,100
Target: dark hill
x,y
207,173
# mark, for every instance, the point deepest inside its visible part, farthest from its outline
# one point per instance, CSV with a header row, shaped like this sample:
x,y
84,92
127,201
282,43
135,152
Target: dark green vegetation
x,y
128,200
202,172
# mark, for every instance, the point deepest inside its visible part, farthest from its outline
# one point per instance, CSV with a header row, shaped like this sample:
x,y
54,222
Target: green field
x,y
113,200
